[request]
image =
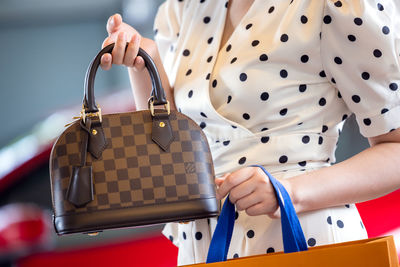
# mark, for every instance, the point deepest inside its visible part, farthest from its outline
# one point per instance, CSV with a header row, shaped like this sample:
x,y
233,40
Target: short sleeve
x,y
360,47
167,24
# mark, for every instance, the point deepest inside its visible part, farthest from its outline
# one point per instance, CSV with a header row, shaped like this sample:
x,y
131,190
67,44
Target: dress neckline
x,y
240,24
220,49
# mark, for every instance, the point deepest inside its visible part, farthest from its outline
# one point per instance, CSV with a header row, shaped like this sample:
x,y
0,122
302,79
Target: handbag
x,y
372,252
130,169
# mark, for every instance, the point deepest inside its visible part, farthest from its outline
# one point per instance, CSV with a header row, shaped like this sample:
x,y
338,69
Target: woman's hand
x,y
120,33
250,190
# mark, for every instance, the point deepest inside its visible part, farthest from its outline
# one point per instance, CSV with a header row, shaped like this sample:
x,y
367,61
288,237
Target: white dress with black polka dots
x,y
277,94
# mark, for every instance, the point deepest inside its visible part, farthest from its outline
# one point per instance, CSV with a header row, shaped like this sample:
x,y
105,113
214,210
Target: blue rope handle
x,y
292,234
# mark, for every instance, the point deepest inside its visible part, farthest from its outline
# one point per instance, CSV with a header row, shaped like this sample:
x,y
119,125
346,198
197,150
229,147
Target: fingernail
x,y
112,22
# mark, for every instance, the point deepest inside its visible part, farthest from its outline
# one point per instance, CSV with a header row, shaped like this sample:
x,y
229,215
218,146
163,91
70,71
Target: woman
x,y
271,83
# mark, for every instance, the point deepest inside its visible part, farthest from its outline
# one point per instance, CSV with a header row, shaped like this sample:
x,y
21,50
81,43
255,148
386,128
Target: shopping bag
x,y
374,252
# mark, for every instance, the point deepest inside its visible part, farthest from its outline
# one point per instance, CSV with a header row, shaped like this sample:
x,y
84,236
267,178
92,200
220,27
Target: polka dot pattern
x,y
393,86
338,4
263,57
255,43
304,58
186,52
271,9
311,242
282,95
351,38
250,234
283,159
264,96
270,250
302,163
352,32
198,236
242,160
246,116
358,21
305,139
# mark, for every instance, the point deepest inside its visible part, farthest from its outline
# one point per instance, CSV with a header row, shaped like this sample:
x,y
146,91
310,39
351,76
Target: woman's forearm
x,y
370,174
141,82
141,87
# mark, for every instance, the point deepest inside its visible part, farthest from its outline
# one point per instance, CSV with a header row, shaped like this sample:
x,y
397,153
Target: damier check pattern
x,y
133,170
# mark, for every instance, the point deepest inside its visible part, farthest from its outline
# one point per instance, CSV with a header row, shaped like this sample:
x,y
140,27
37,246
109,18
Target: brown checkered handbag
x,y
130,169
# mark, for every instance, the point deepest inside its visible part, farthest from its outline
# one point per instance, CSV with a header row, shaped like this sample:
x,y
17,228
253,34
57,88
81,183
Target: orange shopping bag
x,y
374,252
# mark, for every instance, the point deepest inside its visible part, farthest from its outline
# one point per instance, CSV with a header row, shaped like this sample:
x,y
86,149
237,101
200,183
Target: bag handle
x,y
157,93
292,234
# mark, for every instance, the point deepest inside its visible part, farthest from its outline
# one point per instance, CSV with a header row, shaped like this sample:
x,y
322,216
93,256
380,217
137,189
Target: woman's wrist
x,y
290,186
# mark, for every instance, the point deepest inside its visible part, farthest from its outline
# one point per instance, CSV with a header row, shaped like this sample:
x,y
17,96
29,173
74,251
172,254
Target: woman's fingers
x,y
249,189
114,23
242,190
132,51
106,61
106,42
119,49
234,179
248,201
139,64
120,33
258,209
219,180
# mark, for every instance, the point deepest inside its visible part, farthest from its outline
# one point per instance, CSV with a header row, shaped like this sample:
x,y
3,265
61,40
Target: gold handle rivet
x,y
94,132
162,124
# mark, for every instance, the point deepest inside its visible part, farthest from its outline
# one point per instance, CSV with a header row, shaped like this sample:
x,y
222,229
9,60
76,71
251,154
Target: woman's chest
x,y
268,62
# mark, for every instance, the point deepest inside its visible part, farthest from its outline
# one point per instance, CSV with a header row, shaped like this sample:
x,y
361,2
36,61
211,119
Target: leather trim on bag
x,y
148,215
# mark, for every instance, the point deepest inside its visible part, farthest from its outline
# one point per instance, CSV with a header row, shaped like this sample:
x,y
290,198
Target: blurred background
x,y
46,47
